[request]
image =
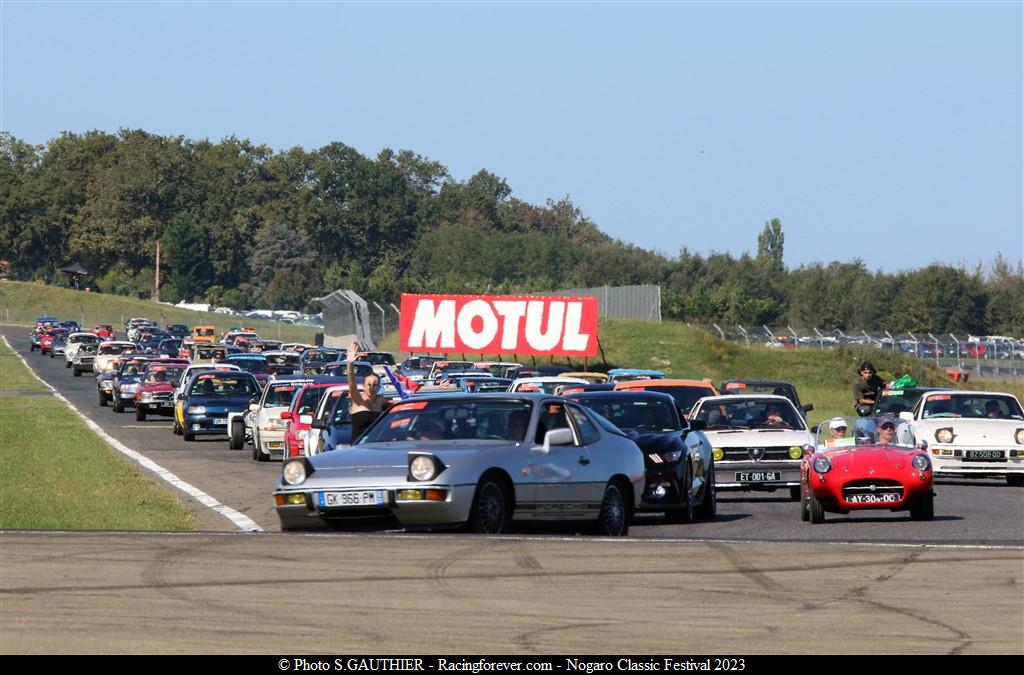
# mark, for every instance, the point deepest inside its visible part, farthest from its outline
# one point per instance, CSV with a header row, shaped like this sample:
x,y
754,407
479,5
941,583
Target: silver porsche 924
x,y
478,460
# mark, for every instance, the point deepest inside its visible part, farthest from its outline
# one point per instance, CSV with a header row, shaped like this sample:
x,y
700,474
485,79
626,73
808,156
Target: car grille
x,y
771,454
871,485
160,395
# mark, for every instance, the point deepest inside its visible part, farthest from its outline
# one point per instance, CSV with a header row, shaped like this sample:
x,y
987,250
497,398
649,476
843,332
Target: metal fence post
x,y
936,340
796,338
917,352
746,336
722,334
821,338
959,364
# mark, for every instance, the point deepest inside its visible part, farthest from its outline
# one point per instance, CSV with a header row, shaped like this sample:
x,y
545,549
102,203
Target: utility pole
x,y
156,290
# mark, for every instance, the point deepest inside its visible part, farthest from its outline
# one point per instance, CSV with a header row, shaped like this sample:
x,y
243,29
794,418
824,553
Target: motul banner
x,y
499,324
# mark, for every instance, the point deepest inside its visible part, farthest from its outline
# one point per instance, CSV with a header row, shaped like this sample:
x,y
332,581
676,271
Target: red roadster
x,y
865,464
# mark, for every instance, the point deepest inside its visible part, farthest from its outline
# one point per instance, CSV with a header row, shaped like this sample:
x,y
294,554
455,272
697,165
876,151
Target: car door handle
x,y
584,460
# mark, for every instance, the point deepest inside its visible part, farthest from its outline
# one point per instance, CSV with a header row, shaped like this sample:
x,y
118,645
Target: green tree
x,y
185,254
769,246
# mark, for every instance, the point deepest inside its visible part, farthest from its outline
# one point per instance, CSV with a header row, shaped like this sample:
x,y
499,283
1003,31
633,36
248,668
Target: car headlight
x,y
921,462
130,387
294,472
275,424
107,385
672,456
147,396
717,454
196,410
944,435
1019,436
424,467
822,464
796,452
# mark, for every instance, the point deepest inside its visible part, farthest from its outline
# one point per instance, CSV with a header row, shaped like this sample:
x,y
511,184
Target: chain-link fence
x,y
987,356
622,302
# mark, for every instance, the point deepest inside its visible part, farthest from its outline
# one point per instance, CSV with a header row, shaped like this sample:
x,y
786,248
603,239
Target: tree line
x,y
243,225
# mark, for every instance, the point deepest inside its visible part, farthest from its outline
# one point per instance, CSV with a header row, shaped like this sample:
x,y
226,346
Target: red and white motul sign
x,y
499,324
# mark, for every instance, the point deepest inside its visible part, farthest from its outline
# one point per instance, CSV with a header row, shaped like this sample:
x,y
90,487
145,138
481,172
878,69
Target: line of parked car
x,y
481,444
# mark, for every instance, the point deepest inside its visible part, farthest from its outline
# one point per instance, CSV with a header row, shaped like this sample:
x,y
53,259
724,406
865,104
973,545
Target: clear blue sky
x,y
888,131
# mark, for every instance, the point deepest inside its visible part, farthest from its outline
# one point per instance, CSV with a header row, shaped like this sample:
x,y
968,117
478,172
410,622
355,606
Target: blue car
x,y
210,395
627,374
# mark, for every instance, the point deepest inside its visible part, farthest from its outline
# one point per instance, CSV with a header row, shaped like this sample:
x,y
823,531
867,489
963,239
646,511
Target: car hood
x,y
868,457
974,431
655,442
392,459
153,388
757,437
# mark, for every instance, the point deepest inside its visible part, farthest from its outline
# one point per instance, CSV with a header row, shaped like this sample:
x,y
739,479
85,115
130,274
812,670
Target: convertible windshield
x,y
750,413
452,420
280,396
638,413
163,374
978,406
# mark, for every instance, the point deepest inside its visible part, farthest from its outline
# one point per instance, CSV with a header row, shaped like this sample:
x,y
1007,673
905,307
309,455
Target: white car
x,y
109,352
543,384
262,424
74,341
757,441
971,433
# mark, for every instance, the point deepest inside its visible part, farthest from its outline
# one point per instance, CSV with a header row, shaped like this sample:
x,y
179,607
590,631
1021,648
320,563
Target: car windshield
x,y
840,432
250,364
750,413
977,406
639,413
685,397
223,384
163,374
283,360
450,420
321,356
361,370
546,387
895,401
378,358
280,396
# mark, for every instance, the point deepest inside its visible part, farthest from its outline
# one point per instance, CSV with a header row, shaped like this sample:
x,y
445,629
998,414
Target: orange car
x,y
685,392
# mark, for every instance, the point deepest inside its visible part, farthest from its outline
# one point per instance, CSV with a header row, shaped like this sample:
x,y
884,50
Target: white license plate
x,y
758,476
351,498
983,454
275,445
220,421
877,498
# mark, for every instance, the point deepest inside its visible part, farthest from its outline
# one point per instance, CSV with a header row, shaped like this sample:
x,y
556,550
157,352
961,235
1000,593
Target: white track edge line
x,y
240,520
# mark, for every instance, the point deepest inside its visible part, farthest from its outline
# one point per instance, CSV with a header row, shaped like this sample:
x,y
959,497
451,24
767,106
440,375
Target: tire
x,y
67,364
1015,479
189,436
613,519
683,514
177,427
815,511
805,507
102,398
78,373
923,508
708,507
794,493
237,438
492,508
31,347
117,405
140,415
51,353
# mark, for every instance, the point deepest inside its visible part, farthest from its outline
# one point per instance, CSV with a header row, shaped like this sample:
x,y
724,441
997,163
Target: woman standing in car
x,y
367,406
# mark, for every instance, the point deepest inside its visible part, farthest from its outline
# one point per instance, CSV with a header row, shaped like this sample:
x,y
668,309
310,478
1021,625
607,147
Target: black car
x,y
677,456
894,401
771,387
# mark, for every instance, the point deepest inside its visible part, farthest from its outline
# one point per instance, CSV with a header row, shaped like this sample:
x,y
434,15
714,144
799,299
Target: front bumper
x,y
215,424
954,461
453,511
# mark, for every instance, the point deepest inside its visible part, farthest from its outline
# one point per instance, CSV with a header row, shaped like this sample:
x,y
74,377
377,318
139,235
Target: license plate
x,y
275,445
758,476
351,498
876,498
220,421
983,454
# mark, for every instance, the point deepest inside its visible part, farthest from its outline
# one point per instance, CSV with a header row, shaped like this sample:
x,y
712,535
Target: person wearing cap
x,y
837,432
866,389
886,432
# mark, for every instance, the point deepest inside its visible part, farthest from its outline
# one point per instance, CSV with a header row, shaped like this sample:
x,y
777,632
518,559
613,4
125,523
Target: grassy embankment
x,y
56,474
22,302
823,378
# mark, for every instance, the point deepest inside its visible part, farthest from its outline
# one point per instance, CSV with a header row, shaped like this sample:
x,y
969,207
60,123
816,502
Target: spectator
x,y
867,389
365,407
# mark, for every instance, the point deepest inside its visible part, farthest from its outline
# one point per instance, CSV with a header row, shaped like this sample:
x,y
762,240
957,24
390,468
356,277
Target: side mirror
x,y
807,407
556,437
814,429
698,425
318,424
286,415
908,416
253,407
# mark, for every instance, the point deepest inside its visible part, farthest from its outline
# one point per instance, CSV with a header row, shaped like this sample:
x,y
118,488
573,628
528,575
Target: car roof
x,y
640,384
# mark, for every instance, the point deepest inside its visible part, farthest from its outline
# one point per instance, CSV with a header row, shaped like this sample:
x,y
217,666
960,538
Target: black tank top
x,y
361,421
